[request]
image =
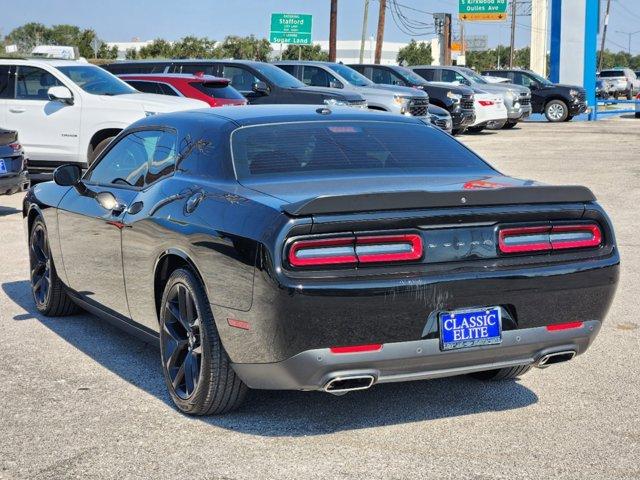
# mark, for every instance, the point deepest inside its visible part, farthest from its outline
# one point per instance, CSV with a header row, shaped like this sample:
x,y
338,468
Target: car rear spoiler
x,y
424,199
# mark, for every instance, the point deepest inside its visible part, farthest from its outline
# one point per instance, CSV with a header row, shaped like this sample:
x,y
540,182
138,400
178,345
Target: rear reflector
x,y
241,324
564,326
354,250
548,238
373,347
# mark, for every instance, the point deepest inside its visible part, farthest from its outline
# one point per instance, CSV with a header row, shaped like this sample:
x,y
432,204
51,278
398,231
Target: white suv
x,y
67,111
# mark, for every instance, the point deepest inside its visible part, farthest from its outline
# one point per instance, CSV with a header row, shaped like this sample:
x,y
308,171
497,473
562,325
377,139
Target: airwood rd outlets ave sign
x,y
482,10
292,28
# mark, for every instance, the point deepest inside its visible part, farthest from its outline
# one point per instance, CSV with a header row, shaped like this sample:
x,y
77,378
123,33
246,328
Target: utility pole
x,y
604,34
629,34
365,19
513,32
447,39
333,27
380,32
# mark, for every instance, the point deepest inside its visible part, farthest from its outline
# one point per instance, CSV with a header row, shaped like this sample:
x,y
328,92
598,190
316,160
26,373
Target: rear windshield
x,y
347,148
218,90
612,73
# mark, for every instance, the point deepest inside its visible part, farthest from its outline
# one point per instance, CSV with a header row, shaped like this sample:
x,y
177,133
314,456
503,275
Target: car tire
x,y
556,111
97,150
48,291
637,114
476,129
509,373
510,124
196,367
458,131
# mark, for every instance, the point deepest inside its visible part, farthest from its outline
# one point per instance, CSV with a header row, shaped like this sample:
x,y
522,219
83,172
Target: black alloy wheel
x,y
40,263
196,367
181,341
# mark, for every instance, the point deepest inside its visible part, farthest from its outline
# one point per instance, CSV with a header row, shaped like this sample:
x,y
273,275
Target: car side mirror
x,y
60,94
261,88
534,86
334,84
67,175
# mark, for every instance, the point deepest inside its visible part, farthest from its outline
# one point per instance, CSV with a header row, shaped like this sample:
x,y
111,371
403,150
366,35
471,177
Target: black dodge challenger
x,y
316,248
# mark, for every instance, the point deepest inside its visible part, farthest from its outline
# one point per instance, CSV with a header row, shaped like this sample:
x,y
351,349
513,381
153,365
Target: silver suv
x,y
622,81
390,98
516,98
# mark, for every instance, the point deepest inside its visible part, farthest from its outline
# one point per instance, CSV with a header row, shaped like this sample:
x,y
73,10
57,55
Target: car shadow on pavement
x,y
4,211
283,413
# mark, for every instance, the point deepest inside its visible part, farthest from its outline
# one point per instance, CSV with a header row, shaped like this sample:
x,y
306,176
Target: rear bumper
x,y
12,183
415,360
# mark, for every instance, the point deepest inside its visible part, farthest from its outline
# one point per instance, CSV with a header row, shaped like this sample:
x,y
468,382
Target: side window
x,y
167,90
453,76
241,78
397,79
196,68
32,83
521,79
137,159
318,77
290,69
426,73
145,86
6,82
381,75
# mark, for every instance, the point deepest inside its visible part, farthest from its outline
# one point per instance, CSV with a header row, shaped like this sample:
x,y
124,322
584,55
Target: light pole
x,y
630,34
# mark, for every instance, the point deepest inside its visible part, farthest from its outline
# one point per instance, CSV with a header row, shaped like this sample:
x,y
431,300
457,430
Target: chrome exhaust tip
x,y
555,357
350,383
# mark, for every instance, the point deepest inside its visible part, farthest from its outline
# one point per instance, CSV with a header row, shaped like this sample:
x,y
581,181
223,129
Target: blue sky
x,y
121,20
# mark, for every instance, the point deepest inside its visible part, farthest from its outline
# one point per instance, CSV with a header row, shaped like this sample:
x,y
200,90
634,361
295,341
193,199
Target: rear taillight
x,y
549,238
365,249
485,103
15,146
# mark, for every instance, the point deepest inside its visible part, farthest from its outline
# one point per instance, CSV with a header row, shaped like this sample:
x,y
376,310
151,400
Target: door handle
x,y
17,110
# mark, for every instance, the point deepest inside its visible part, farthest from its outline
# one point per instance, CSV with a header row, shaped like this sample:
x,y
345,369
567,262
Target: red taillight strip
x,y
564,326
485,103
414,242
372,347
324,243
539,244
558,243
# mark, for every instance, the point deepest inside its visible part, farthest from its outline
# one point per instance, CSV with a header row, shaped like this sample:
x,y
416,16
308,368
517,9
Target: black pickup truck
x,y
458,101
559,103
259,82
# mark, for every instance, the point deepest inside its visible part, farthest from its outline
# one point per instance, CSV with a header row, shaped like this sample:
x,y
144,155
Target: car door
x,y
243,80
313,76
49,129
381,76
537,96
451,76
90,232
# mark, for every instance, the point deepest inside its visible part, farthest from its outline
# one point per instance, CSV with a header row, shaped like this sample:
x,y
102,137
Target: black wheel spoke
x,y
179,378
190,373
39,263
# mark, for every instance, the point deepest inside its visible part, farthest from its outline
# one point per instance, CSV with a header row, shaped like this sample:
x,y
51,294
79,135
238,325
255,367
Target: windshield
x,y
612,73
95,80
473,75
278,76
410,75
348,149
540,79
350,75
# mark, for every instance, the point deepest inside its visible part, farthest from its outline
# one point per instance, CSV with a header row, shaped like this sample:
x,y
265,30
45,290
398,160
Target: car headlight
x,y
148,113
573,93
400,100
335,102
510,94
456,97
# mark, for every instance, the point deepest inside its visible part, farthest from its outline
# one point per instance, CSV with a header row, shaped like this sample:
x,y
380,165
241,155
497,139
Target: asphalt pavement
x,y
81,399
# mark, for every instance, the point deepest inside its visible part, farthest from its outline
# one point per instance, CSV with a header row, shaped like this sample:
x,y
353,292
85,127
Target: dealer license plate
x,y
470,328
3,166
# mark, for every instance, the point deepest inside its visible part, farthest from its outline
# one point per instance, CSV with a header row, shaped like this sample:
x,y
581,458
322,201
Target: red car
x,y
215,91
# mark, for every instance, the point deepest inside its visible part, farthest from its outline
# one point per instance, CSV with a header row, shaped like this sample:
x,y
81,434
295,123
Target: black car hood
x,y
329,93
563,87
460,90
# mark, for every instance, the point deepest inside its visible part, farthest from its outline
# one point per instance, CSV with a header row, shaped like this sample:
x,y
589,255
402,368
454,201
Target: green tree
x,y
159,48
415,54
27,36
246,48
131,54
195,47
305,52
108,53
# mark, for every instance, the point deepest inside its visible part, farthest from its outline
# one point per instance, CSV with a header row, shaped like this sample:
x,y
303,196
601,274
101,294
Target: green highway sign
x,y
482,10
292,28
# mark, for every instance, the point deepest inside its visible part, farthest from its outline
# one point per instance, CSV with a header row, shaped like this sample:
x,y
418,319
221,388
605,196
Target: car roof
x,y
43,62
308,62
173,76
187,61
270,114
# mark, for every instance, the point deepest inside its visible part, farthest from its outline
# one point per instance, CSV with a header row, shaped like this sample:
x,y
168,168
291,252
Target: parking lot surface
x,y
80,399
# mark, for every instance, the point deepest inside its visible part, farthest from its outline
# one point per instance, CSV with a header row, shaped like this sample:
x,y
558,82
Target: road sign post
x,y
292,28
482,10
